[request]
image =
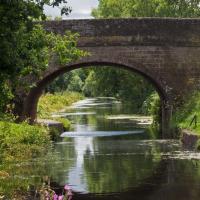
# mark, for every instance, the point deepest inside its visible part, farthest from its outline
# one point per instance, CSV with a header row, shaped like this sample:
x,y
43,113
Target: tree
x,y
147,8
26,47
119,83
75,84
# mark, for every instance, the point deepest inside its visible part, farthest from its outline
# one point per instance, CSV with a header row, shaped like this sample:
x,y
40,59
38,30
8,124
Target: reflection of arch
x,y
30,104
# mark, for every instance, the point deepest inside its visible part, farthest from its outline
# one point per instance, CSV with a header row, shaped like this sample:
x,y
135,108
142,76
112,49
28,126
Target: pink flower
x,y
60,197
67,187
55,197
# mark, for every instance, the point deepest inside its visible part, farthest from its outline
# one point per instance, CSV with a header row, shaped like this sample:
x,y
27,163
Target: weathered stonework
x,y
165,51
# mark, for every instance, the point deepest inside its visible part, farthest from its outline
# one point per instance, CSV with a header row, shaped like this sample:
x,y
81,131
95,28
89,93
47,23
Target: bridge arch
x,y
165,51
31,101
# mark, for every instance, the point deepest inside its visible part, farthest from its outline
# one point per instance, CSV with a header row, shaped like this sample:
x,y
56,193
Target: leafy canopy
x,y
147,8
26,48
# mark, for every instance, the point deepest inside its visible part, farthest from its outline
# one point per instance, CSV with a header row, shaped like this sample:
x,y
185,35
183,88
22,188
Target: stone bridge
x,y
165,51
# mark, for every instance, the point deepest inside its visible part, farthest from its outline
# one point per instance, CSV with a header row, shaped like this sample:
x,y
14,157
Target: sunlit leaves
x,y
147,8
66,49
25,47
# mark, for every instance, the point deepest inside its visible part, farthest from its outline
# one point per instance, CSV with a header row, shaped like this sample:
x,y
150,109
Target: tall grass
x,y
50,103
185,114
19,143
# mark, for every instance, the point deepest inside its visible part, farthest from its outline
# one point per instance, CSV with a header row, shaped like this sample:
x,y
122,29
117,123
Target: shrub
x,y
184,115
22,140
66,123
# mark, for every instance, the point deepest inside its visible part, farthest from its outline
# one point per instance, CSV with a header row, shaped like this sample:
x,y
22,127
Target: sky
x,y
81,9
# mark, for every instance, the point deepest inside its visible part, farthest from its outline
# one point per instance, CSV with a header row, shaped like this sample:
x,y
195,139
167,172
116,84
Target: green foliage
x,y
197,146
19,141
66,123
5,94
119,83
185,114
50,103
55,132
147,8
65,47
26,48
70,81
59,84
19,39
75,84
152,106
106,81
90,85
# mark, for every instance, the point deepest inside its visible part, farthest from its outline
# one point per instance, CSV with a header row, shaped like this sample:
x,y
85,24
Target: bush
x,y
184,115
22,140
151,106
54,133
66,123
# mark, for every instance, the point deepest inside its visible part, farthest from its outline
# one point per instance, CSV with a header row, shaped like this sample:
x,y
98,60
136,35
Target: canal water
x,y
110,155
107,155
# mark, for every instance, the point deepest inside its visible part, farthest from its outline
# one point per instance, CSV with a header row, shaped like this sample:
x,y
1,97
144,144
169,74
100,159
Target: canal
x,y
109,154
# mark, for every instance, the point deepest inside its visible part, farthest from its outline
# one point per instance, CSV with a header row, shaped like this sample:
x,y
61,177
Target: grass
x,y
19,143
50,103
185,114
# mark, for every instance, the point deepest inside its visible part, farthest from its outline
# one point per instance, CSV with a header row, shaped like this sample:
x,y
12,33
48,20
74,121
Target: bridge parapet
x,y
132,31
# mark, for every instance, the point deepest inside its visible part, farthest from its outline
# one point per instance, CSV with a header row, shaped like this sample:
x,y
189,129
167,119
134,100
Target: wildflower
x,y
60,197
68,190
67,187
55,196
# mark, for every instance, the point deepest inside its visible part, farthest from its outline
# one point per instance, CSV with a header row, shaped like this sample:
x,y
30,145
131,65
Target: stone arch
x,y
30,104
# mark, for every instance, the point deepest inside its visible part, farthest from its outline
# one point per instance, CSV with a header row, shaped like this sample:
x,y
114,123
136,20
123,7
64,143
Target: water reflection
x,y
124,166
92,162
101,114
